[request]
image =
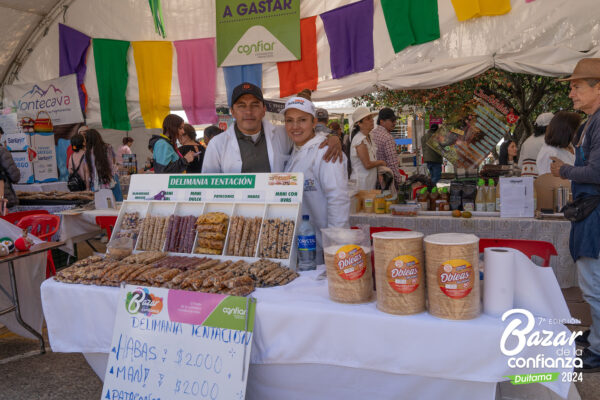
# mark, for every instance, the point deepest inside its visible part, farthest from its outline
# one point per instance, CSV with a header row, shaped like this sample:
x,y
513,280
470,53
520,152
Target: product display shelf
x,y
263,210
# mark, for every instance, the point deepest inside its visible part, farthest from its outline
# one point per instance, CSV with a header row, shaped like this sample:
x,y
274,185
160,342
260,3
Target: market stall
x,y
301,333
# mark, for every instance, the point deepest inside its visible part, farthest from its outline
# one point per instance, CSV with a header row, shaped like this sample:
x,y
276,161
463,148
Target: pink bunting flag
x,y
197,70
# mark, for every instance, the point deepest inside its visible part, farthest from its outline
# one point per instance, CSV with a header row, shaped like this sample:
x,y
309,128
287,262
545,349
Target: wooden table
x,y
14,294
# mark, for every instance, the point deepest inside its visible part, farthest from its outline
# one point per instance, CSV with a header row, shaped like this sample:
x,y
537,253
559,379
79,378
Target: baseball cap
x,y
321,113
300,103
246,88
387,113
544,119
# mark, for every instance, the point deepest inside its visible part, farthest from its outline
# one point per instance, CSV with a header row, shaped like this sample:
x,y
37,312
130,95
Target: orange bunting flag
x,y
154,64
295,76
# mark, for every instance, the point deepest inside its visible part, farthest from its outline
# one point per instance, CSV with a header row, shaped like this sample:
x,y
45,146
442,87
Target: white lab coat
x,y
223,152
326,199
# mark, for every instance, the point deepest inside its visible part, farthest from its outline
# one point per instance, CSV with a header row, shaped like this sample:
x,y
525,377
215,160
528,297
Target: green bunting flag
x,y
411,22
110,59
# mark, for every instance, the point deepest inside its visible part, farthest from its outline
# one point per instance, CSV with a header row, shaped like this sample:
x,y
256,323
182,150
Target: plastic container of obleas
x,y
405,210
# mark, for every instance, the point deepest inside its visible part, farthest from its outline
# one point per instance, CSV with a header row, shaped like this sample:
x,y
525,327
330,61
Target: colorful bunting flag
x,y
295,76
197,71
154,66
411,22
467,9
72,50
239,74
110,59
349,30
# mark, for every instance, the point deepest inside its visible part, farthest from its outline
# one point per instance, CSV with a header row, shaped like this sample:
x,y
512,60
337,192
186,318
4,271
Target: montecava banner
x,y
58,97
257,31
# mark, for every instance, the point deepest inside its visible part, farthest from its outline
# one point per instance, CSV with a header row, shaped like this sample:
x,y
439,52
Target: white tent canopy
x,y
543,37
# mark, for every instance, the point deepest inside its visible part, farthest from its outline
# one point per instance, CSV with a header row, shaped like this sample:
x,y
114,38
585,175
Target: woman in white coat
x,y
326,200
362,151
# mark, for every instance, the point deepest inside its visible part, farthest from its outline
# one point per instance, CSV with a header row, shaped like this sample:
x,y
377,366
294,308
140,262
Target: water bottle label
x,y
307,243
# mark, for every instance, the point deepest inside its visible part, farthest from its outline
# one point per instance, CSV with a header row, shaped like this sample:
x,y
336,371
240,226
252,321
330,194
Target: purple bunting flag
x,y
349,30
73,46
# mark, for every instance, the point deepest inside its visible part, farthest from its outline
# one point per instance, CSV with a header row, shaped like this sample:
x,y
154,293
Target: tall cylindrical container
x,y
452,265
399,272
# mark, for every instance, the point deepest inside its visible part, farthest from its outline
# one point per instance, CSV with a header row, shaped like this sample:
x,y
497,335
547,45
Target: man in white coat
x,y
252,144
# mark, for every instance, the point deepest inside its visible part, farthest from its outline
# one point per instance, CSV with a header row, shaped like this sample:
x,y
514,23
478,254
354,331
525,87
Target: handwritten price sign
x,y
170,344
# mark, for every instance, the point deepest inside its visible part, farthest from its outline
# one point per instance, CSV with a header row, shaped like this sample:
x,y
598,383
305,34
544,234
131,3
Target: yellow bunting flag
x,y
154,63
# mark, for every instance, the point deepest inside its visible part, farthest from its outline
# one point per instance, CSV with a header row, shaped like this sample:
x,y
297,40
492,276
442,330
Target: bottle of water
x,y
307,246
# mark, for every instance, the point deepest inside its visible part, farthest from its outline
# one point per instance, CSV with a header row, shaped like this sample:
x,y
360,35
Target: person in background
x,y
189,143
125,149
210,132
77,161
252,144
508,153
558,138
100,159
322,120
9,174
382,137
336,129
81,130
432,158
533,144
362,151
149,165
325,199
167,159
584,241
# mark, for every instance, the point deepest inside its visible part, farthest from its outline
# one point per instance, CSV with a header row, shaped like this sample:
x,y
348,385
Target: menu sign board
x,y
174,344
227,188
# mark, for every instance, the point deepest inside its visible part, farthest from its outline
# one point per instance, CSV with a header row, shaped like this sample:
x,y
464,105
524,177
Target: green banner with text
x,y
212,182
256,32
532,378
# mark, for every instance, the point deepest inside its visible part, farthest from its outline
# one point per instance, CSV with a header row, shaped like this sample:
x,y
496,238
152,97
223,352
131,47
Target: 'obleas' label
x,y
403,274
351,262
456,278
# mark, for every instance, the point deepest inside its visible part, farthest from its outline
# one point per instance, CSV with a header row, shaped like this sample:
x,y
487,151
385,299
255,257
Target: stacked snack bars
x,y
130,226
177,272
153,233
181,233
243,236
212,230
276,239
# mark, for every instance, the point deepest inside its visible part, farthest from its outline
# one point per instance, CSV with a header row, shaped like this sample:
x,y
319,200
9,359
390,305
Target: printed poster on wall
x,y
42,154
175,344
256,32
467,145
57,97
14,139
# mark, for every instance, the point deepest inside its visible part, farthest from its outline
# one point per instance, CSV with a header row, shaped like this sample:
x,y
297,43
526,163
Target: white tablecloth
x,y
42,187
76,227
297,325
30,272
